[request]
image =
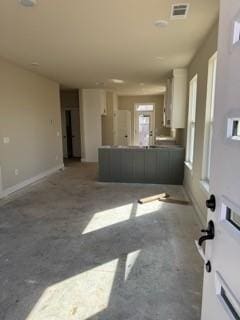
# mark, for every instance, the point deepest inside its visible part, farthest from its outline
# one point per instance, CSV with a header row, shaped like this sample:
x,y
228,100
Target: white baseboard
x,y
29,181
200,215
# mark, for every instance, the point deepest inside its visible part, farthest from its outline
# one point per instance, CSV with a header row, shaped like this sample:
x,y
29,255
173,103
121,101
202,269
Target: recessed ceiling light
x,y
28,3
117,81
35,64
99,83
160,58
161,23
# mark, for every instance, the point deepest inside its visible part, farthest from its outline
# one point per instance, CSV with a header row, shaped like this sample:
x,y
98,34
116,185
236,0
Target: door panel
x,y
64,134
221,289
69,133
124,128
76,141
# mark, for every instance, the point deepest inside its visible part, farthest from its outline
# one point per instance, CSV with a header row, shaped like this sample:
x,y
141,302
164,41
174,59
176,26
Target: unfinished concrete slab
x,y
75,249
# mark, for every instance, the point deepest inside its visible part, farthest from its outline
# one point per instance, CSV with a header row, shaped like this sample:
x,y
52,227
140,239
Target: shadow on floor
x,y
72,248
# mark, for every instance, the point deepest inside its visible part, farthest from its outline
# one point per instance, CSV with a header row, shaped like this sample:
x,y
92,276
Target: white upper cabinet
x,y
176,100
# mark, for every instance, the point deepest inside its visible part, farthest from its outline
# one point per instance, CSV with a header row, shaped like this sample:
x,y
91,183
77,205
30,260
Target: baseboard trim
x,y
29,181
199,213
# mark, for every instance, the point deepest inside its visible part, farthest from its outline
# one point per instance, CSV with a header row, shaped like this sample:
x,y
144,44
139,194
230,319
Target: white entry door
x,y
221,288
144,128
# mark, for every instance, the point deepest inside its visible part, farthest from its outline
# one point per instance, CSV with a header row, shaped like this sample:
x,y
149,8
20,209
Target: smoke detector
x,y
28,3
179,11
161,23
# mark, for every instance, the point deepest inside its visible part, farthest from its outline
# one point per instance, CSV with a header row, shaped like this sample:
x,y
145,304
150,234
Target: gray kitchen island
x,y
156,164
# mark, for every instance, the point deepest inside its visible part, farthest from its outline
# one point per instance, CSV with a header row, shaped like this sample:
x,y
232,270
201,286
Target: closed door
x,y
144,128
221,288
124,128
69,135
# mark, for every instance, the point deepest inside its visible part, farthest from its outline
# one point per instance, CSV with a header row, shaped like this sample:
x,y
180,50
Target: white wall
x,y
92,123
30,118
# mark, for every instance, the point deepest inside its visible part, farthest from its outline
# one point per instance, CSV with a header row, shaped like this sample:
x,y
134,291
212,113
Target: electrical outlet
x,y
58,133
16,172
6,140
56,157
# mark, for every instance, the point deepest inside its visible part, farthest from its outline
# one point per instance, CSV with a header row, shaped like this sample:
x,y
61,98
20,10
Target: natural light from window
x,y
145,107
191,121
77,296
208,132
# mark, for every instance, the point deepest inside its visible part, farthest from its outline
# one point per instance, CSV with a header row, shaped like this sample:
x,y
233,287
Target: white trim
x,y
199,213
204,184
27,182
209,116
189,166
191,122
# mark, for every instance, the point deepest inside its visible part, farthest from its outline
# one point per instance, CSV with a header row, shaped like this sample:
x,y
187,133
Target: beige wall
x,y
30,117
199,66
128,103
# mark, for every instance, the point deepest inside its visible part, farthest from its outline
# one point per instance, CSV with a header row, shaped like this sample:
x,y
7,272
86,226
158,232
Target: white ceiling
x,y
81,42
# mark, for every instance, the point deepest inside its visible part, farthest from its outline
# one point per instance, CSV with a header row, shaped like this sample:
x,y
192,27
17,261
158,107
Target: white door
x,y
144,128
76,141
64,133
221,289
124,127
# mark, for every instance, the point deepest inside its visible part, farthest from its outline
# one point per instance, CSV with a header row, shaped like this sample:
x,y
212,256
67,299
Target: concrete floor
x,y
75,249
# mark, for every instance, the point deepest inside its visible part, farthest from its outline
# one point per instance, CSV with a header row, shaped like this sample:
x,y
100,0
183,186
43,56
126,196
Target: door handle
x,y
210,233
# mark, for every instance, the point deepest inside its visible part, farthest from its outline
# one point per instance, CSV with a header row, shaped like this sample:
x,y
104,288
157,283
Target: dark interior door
x,y
69,133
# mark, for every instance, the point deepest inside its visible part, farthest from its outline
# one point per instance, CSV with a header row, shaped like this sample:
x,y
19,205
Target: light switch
x,y
58,133
6,140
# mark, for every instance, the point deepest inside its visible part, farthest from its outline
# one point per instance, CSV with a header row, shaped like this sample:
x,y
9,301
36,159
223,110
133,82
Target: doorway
x,y
69,134
144,123
70,124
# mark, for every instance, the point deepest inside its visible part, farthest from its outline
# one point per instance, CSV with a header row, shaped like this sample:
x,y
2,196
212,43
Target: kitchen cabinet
x,y
176,100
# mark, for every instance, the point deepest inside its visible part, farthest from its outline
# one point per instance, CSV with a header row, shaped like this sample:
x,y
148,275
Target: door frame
x,y
136,113
64,124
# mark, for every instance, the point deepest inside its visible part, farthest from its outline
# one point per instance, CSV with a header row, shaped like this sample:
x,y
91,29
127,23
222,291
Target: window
x,y
208,132
144,107
191,121
233,131
236,32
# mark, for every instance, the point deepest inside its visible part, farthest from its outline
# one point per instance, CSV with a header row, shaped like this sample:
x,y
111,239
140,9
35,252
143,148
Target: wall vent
x,y
179,11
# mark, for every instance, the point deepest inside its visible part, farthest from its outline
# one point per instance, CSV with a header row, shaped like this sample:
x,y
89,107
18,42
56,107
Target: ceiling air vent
x,y
179,11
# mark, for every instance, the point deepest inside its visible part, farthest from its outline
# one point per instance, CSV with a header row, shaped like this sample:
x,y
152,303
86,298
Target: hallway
x,y
76,249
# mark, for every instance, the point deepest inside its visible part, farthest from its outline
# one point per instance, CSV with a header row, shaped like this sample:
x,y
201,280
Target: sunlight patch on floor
x,y
109,217
79,297
131,260
148,208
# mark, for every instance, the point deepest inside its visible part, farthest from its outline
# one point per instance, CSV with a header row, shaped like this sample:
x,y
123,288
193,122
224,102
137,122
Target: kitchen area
x,y
149,148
